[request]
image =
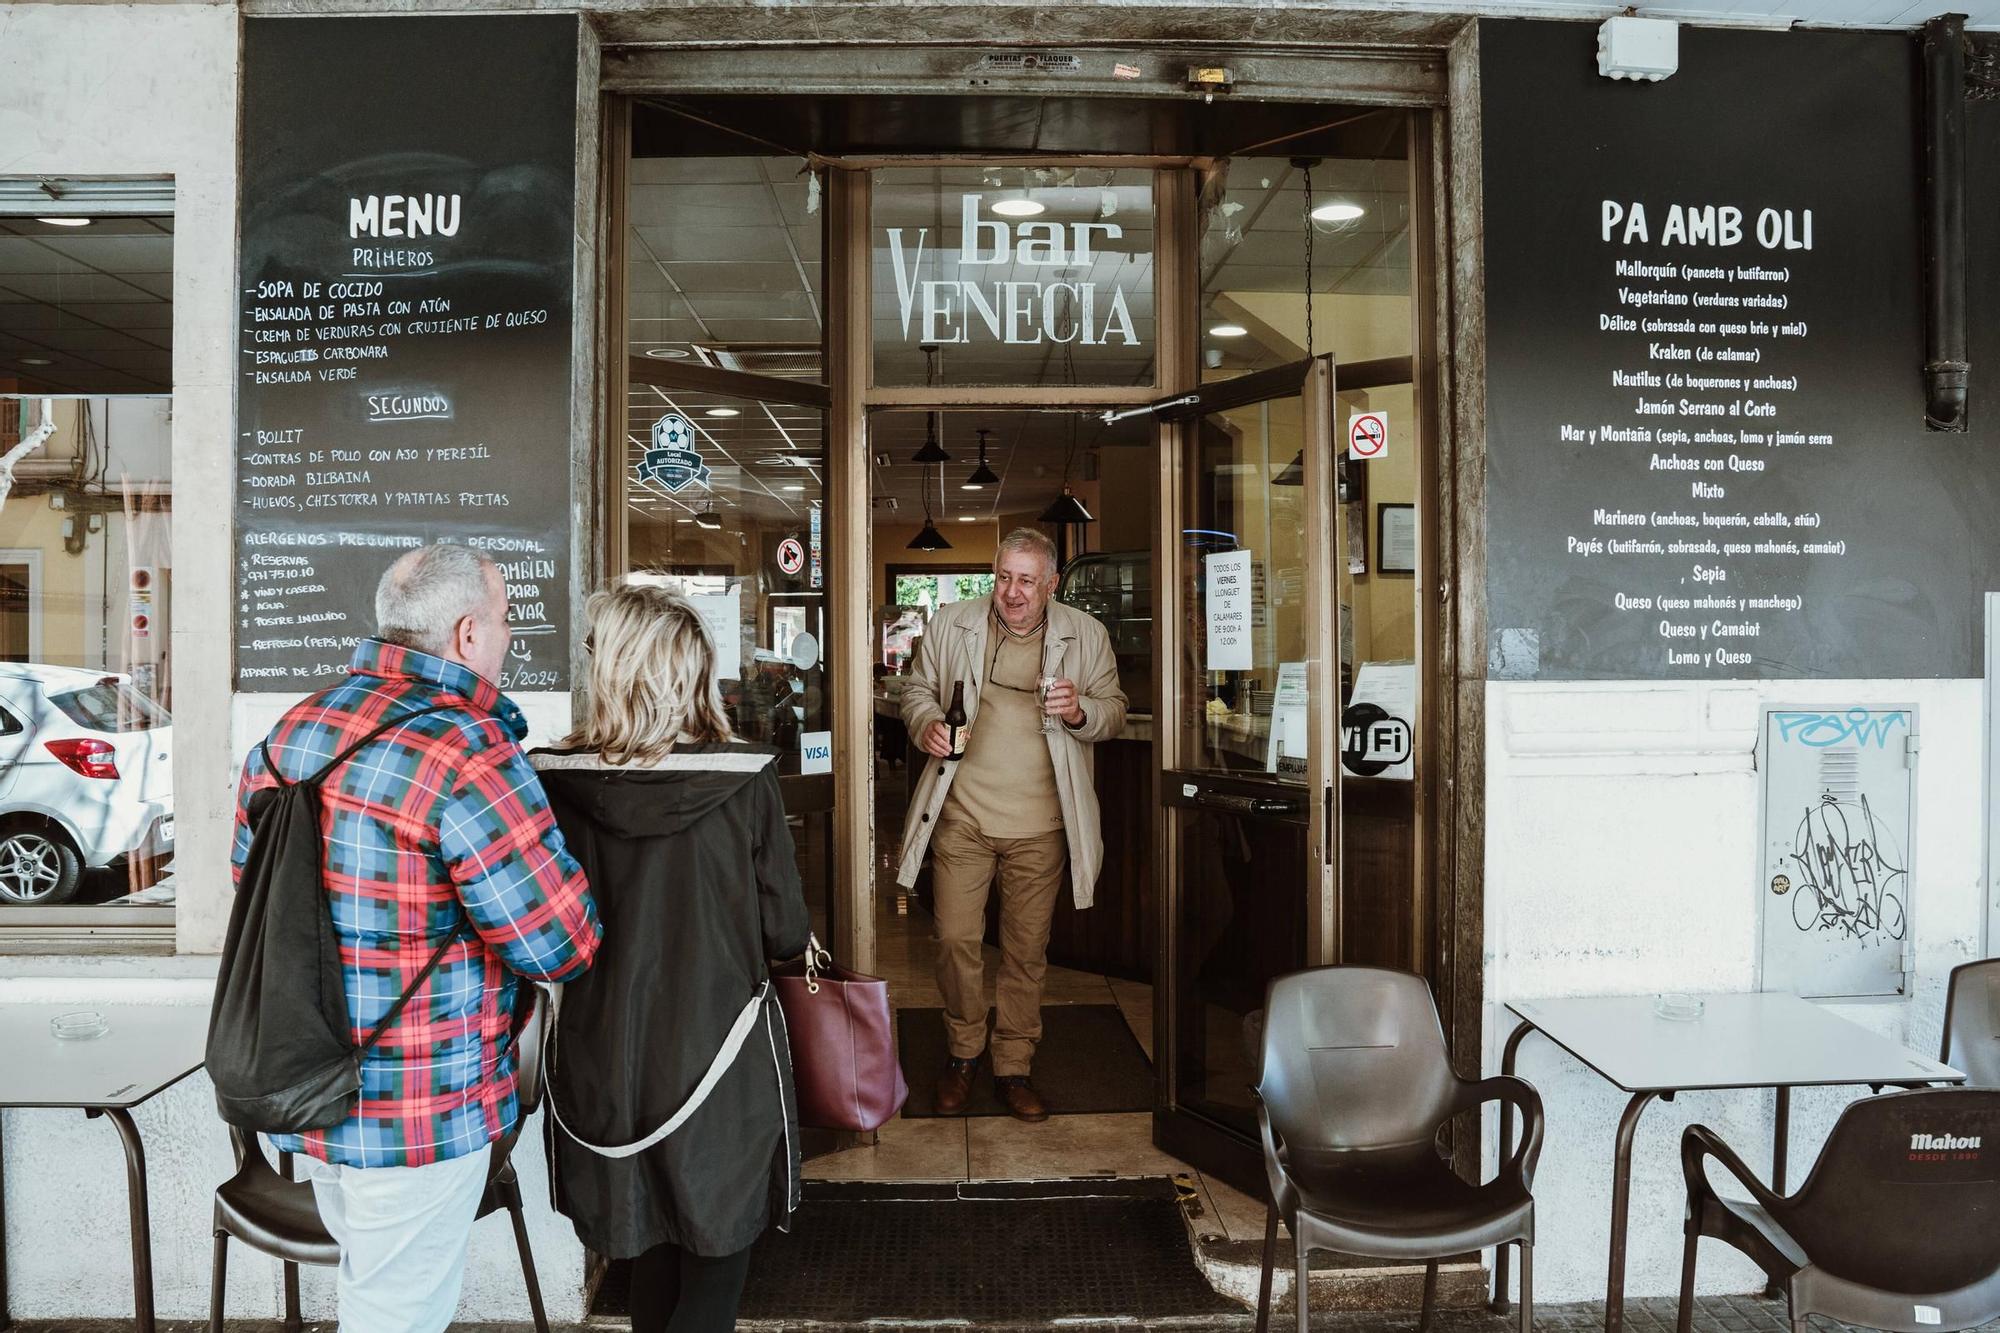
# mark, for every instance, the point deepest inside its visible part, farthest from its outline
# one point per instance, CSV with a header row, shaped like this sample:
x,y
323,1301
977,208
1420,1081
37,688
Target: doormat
x,y
1088,1063
989,1254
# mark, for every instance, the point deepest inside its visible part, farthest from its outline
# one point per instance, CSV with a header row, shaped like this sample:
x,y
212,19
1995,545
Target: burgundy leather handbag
x,y
843,1043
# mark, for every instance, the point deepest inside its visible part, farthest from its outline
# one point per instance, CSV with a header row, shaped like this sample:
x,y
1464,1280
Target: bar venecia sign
x,y
1064,308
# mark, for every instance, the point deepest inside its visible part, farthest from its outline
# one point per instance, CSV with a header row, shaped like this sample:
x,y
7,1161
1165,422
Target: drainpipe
x,y
1945,365
30,442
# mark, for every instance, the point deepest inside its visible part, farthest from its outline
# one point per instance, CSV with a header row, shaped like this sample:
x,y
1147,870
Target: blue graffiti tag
x,y
1857,726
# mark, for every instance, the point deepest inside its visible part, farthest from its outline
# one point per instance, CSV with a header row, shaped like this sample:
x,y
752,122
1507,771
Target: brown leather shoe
x,y
954,1085
1023,1102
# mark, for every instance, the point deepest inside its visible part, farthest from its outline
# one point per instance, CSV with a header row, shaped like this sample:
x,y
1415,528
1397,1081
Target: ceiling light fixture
x,y
928,539
1227,331
933,451
982,476
1020,206
794,489
1338,211
36,361
1066,509
722,412
65,222
706,517
667,353
968,518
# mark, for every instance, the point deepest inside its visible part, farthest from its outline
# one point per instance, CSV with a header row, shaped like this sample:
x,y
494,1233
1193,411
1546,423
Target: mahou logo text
x,y
1941,1143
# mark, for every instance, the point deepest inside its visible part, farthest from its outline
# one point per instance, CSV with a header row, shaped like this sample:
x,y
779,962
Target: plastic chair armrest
x,y
1699,1143
1282,1192
1522,1096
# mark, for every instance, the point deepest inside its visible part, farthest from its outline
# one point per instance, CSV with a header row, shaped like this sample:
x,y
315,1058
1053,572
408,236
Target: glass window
x,y
86,569
1013,276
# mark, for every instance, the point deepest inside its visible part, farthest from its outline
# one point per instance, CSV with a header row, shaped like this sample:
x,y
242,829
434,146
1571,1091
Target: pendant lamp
x,y
982,476
928,539
933,451
1066,508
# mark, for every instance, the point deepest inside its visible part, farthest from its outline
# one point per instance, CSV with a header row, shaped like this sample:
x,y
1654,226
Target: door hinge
x,y
1910,747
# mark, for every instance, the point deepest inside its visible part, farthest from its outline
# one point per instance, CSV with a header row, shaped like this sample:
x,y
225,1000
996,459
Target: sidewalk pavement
x,y
1713,1314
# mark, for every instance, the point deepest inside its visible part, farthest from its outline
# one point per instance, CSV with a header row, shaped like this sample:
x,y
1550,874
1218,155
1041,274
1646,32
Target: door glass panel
x,y
1013,275
723,503
1247,877
1243,567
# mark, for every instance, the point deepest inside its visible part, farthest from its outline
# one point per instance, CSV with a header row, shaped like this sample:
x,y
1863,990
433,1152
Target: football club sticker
x,y
673,461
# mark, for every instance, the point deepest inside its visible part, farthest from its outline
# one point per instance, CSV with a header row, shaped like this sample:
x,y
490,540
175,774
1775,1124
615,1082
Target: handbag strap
x,y
739,1032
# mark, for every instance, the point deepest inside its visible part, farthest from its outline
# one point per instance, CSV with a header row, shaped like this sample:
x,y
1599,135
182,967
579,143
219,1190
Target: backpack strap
x,y
396,1009
437,956
375,733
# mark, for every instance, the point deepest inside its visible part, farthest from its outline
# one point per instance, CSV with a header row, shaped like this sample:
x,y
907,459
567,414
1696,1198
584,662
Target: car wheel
x,y
37,869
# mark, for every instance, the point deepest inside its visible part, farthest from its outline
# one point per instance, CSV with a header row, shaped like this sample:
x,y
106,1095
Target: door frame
x,y
1450,627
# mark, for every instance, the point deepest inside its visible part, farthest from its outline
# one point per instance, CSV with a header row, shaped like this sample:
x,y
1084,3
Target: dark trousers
x,y
674,1291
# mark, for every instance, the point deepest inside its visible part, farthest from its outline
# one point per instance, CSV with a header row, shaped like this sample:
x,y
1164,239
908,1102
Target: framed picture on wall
x,y
1396,539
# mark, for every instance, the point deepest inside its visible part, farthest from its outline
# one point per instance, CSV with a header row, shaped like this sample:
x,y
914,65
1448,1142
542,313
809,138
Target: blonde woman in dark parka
x,y
681,832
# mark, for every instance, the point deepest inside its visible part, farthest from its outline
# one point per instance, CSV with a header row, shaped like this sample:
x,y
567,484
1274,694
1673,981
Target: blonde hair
x,y
652,676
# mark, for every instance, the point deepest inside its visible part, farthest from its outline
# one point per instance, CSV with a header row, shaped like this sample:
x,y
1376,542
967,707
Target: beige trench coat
x,y
957,646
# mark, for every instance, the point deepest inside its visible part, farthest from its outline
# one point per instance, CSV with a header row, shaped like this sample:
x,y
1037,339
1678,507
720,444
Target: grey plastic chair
x,y
1972,1022
278,1216
1897,1226
1353,1086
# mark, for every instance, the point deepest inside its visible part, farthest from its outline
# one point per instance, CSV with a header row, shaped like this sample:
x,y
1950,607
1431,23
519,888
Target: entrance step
x,y
1340,1282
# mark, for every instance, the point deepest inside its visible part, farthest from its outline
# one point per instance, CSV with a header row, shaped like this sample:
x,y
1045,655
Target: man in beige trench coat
x,y
1014,808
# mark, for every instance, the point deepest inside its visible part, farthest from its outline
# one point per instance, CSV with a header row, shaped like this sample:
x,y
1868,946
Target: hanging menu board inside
x,y
407,224
1706,451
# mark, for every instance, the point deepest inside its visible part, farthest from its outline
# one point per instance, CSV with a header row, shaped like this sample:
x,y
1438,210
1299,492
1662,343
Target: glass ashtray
x,y
79,1025
1678,1008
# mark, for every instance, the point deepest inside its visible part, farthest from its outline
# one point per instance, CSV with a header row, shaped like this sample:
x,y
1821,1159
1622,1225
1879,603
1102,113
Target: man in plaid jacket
x,y
438,828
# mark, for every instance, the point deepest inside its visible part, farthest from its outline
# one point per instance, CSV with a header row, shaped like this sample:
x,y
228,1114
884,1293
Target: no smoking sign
x,y
1368,434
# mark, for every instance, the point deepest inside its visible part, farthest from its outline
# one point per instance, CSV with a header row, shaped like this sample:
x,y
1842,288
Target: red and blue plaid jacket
x,y
438,824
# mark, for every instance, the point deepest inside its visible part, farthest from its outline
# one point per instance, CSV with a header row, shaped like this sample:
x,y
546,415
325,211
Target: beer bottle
x,y
954,721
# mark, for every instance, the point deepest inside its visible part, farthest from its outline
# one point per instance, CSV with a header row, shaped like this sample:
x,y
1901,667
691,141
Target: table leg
x,y
6,1314
1500,1252
142,1227
1781,1143
1621,1198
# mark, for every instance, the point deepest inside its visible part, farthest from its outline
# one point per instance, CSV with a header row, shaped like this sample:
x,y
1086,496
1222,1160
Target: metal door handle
x,y
1247,805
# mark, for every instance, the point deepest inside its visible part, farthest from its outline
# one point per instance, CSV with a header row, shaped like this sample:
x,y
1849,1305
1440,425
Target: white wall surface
x,y
1622,858
150,90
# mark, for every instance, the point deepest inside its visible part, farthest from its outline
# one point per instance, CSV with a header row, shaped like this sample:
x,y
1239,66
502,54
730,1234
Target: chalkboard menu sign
x,y
1706,451
407,224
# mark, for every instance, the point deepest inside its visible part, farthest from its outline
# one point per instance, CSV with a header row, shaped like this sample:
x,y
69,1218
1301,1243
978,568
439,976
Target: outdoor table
x,y
148,1049
1762,1040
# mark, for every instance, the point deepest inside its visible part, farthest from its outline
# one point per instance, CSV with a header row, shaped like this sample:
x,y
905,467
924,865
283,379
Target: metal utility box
x,y
1839,796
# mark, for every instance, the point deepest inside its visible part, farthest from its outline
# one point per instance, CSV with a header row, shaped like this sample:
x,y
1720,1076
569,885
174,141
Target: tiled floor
x,y
993,1147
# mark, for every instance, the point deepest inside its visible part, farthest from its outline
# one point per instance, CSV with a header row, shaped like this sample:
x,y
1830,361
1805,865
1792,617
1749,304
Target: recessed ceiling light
x,y
667,353
793,489
1228,331
36,361
1337,212
968,518
722,412
65,222
1020,207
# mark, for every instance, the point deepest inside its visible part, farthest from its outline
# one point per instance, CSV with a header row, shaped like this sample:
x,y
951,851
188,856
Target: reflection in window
x,y
86,569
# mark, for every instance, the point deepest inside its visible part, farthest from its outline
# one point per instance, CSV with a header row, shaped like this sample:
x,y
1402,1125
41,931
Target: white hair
x,y
424,595
1027,541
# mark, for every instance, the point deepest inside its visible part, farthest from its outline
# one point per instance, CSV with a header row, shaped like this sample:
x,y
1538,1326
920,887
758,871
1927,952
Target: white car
x,y
86,779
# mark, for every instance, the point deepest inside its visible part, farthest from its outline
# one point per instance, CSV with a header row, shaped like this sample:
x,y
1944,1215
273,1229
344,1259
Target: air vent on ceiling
x,y
887,502
788,360
1021,62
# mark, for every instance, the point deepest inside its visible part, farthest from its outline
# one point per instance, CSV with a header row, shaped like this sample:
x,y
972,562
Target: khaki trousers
x,y
964,862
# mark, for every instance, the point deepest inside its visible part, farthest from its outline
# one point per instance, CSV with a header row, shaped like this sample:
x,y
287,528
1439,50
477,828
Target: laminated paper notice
x,y
1229,613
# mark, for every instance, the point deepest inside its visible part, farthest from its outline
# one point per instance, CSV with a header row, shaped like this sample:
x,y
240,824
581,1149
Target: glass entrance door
x,y
723,483
1248,741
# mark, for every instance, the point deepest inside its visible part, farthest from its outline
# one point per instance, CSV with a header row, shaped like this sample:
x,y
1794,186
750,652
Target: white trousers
x,y
403,1232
